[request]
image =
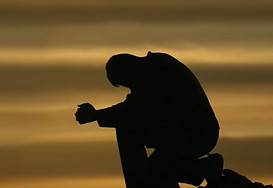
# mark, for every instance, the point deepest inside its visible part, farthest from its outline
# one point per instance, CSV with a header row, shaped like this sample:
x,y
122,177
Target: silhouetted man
x,y
167,110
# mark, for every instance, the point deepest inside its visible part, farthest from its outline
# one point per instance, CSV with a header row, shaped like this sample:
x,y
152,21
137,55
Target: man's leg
x,y
139,170
161,170
133,156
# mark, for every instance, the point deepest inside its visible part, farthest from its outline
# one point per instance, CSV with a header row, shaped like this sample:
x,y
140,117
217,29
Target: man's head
x,y
121,69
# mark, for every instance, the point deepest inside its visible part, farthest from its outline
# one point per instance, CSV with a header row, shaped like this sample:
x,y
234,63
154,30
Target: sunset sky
x,y
52,57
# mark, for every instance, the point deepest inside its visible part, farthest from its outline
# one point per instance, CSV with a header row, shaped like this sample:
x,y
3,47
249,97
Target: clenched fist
x,y
85,113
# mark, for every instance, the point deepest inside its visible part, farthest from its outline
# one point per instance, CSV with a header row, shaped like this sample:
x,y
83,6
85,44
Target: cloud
x,y
235,74
250,157
35,79
117,34
143,11
39,79
60,160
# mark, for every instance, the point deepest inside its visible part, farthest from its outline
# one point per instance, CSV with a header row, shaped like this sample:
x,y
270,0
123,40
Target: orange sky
x,y
52,56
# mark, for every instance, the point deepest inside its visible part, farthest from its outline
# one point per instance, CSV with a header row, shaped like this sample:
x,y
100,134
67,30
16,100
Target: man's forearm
x,y
106,118
113,116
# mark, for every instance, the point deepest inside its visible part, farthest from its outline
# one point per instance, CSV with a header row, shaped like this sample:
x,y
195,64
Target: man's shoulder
x,y
158,54
164,57
165,60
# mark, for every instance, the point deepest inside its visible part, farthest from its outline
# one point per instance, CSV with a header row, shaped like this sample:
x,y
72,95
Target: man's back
x,y
165,89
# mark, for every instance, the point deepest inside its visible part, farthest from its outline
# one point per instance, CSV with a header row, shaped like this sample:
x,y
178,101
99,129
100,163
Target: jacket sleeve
x,y
116,115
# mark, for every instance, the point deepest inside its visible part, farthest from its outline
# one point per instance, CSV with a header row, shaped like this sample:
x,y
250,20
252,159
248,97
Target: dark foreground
x,y
232,179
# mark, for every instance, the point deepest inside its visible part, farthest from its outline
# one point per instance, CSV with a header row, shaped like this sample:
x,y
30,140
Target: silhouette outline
x,y
167,110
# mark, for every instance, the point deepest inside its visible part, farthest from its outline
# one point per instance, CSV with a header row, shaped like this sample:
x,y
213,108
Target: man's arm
x,y
108,117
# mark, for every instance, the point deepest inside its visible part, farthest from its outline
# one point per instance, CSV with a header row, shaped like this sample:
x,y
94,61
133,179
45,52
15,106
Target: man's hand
x,y
85,113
